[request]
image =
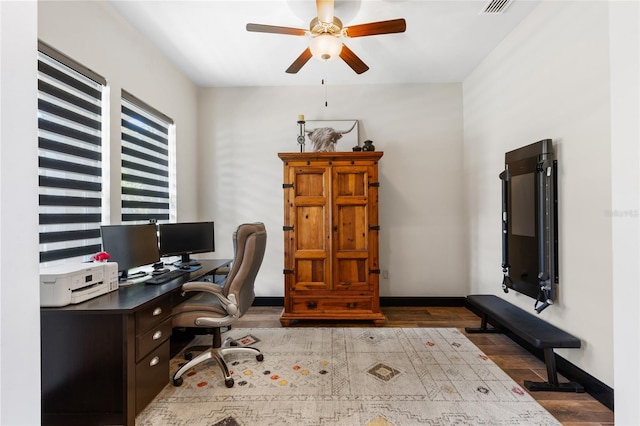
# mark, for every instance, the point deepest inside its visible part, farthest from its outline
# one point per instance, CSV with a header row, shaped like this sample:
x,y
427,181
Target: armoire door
x,y
351,239
308,250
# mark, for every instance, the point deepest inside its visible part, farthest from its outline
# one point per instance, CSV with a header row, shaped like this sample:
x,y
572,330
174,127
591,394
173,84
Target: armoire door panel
x,y
311,272
310,181
350,181
310,228
351,228
352,274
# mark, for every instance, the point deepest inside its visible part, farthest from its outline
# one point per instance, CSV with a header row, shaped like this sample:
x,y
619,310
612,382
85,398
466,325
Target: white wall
x,y
419,128
549,79
624,21
19,281
94,34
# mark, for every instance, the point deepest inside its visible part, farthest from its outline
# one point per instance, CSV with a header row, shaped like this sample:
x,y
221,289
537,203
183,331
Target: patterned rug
x,y
349,376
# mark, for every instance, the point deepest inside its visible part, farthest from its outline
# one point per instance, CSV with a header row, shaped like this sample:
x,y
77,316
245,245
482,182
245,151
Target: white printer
x,y
62,285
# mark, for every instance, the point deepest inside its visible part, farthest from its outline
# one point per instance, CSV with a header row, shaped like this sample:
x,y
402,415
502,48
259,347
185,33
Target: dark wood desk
x,y
105,359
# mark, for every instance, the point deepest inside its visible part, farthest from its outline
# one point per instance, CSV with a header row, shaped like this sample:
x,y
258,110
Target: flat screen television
x,y
529,222
131,246
186,238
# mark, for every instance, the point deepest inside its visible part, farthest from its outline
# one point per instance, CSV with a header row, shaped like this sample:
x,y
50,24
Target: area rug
x,y
349,376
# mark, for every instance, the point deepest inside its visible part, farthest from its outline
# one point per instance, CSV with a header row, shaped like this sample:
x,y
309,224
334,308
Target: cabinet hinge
x,y
374,227
374,271
287,228
287,185
375,184
287,271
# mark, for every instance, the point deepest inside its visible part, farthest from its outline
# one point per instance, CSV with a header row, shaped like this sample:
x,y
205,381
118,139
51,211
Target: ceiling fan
x,y
326,31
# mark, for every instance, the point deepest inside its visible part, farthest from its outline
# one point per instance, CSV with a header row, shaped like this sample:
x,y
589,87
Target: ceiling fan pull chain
x,y
326,104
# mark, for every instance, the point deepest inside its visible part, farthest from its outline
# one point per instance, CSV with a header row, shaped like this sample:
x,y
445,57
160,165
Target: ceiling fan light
x,y
325,47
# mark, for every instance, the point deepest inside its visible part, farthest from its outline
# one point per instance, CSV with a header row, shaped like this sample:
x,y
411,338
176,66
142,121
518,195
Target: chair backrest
x,y
249,243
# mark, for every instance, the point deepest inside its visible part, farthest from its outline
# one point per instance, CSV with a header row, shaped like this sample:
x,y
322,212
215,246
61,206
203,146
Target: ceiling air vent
x,y
495,7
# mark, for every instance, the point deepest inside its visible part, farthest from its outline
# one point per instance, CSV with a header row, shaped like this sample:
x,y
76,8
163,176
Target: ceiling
x,y
207,40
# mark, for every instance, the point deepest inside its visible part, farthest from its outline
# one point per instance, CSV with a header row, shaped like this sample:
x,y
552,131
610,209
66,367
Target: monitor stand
x,y
185,260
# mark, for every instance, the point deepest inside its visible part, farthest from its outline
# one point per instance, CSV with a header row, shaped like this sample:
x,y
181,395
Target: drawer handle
x,y
157,335
312,305
157,311
154,361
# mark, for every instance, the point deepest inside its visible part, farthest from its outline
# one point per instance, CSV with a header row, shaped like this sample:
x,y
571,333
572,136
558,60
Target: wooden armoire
x,y
331,265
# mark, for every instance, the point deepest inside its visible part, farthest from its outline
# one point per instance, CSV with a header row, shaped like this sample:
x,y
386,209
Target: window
x,y
148,167
70,135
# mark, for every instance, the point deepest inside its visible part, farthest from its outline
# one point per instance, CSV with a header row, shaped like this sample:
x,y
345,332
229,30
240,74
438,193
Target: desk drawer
x,y
152,375
153,315
148,341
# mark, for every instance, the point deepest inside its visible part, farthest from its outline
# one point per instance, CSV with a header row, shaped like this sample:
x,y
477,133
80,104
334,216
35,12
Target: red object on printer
x,y
102,256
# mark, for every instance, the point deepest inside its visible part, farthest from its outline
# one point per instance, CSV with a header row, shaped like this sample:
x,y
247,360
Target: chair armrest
x,y
222,271
229,303
201,286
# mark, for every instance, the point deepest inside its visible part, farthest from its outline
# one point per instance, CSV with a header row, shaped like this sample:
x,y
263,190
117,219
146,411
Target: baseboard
x,y
592,386
423,301
384,301
269,301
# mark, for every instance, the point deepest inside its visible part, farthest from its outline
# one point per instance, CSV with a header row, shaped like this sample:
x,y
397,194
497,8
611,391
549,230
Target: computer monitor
x,y
184,239
130,246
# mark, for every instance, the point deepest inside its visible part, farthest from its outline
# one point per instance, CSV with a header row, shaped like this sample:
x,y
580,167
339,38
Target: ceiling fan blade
x,y
352,60
325,10
274,29
299,62
376,28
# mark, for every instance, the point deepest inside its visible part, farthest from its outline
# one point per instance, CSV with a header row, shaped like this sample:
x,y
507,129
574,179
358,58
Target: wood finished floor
x,y
571,409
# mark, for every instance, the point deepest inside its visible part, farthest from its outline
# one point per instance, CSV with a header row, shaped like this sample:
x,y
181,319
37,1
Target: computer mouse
x,y
185,267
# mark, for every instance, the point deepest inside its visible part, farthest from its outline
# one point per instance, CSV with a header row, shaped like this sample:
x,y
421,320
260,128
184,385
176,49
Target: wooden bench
x,y
533,330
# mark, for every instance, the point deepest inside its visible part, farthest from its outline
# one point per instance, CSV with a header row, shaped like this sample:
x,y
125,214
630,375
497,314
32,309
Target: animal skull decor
x,y
324,139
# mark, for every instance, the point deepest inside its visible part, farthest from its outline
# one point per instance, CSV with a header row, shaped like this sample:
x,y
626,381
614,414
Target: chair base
x,y
218,354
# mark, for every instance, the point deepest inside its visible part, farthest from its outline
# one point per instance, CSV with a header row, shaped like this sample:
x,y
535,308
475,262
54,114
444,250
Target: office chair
x,y
215,307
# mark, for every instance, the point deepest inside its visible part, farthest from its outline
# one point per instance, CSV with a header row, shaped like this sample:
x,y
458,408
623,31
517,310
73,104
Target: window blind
x,y
147,170
70,122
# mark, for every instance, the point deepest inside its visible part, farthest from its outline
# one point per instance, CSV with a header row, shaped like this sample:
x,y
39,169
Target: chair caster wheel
x,y
260,357
228,383
177,382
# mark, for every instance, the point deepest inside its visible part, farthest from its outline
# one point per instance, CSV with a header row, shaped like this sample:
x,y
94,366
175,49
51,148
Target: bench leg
x,y
483,327
552,383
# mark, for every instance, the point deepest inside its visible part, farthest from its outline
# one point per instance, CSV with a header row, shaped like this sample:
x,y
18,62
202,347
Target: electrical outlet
x,y
385,274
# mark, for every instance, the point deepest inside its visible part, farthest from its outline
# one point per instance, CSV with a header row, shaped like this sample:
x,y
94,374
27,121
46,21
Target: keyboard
x,y
137,279
166,277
